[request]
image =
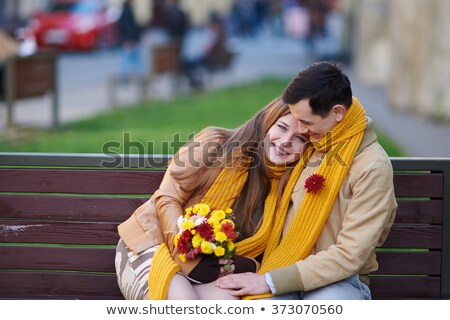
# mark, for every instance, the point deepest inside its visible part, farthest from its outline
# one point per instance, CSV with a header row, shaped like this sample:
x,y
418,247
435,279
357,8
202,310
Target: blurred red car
x,y
76,25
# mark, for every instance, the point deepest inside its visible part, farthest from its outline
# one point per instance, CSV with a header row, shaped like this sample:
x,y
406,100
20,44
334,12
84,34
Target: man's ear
x,y
339,111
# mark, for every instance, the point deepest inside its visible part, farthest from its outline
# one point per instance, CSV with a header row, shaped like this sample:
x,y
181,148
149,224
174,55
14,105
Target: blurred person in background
x,y
327,37
130,36
205,50
176,22
8,48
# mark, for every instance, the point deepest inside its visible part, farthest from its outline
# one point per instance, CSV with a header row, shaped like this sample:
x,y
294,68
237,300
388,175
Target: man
x,y
343,203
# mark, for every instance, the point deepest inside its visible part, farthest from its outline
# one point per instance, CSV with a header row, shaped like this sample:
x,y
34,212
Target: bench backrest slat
x,y
411,263
417,236
419,185
405,287
419,211
41,231
57,258
58,285
80,181
75,208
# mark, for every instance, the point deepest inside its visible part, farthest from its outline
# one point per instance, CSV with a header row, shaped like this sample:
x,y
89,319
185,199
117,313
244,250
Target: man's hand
x,y
244,283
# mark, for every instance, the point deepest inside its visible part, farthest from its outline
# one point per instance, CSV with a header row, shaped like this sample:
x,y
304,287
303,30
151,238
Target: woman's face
x,y
283,144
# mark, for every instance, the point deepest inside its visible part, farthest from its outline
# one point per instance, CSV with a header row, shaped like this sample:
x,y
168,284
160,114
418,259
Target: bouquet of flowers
x,y
205,231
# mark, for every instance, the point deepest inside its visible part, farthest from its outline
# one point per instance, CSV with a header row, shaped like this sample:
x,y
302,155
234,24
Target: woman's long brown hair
x,y
236,147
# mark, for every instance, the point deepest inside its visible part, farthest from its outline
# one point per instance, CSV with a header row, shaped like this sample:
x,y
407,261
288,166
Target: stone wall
x,y
420,49
372,41
404,45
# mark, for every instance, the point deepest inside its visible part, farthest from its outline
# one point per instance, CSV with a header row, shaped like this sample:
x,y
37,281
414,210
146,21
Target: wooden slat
x,y
416,263
419,185
80,181
404,236
58,232
57,258
58,285
398,288
419,211
68,207
118,209
34,75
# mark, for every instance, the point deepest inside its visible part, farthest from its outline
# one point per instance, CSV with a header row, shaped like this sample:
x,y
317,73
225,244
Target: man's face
x,y
314,126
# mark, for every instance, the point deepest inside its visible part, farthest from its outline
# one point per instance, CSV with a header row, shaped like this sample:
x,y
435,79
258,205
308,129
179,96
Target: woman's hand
x,y
226,266
244,283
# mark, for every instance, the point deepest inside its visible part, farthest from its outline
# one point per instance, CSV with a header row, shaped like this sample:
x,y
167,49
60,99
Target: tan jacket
x,y
359,221
155,221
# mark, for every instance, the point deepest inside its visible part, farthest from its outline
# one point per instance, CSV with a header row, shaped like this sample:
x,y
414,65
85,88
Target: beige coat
x,y
359,221
155,221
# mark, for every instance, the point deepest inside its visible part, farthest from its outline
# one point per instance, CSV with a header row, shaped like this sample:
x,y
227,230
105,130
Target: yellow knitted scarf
x,y
222,194
340,146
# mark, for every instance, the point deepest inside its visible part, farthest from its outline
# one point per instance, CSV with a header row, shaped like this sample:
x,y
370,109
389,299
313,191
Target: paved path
x,y
85,92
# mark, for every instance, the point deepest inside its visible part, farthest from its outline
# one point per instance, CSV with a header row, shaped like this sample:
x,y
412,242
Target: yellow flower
x,y
231,245
207,247
188,225
197,241
219,251
188,211
220,236
228,210
182,257
204,209
176,239
214,222
218,214
217,228
196,208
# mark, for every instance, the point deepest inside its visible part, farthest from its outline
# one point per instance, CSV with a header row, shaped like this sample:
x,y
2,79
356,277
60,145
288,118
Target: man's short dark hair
x,y
324,84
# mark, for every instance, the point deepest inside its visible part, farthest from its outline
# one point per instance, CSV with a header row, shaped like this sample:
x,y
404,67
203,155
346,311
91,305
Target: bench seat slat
x,y
80,181
419,185
57,258
58,285
408,287
68,207
58,232
416,263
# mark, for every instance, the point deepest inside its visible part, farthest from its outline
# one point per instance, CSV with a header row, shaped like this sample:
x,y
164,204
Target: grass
x,y
157,126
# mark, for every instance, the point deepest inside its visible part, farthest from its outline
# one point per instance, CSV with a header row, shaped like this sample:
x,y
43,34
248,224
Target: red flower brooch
x,y
314,183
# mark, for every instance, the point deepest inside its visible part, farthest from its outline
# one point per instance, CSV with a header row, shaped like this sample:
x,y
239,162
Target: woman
x,y
245,169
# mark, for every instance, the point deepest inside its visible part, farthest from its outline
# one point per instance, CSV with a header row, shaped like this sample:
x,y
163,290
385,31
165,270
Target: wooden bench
x,y
59,213
31,76
164,60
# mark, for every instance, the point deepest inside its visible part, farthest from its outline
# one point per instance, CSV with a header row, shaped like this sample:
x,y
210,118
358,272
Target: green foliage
x,y
156,126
